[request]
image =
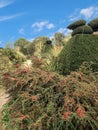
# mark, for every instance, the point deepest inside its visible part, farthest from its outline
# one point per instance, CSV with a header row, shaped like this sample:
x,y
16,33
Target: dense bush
x,y
82,30
79,48
76,24
15,57
42,100
94,24
5,65
23,46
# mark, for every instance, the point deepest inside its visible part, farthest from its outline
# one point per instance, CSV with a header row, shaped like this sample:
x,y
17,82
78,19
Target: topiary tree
x,y
79,48
76,24
85,29
94,24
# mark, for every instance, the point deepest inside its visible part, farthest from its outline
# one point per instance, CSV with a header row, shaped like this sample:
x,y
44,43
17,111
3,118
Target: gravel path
x,y
3,100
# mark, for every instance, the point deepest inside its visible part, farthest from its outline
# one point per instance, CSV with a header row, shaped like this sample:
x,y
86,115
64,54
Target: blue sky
x,y
33,18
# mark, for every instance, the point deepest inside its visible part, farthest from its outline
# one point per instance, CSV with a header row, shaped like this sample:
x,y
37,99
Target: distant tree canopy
x,y
37,46
13,55
82,30
42,45
76,24
59,38
94,24
23,45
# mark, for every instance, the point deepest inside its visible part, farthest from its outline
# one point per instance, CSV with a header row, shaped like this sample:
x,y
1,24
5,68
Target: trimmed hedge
x,y
79,48
82,30
94,24
76,24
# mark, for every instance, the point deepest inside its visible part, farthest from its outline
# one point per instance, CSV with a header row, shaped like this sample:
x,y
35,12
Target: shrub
x,y
76,24
15,57
47,101
78,49
94,24
5,65
82,30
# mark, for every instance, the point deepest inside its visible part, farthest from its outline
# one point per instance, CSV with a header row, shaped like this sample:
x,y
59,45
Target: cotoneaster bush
x,y
43,100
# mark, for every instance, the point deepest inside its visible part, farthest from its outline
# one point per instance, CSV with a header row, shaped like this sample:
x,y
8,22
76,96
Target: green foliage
x,y
43,48
42,100
94,24
59,39
82,30
23,44
47,46
41,45
78,49
76,24
15,57
30,49
5,65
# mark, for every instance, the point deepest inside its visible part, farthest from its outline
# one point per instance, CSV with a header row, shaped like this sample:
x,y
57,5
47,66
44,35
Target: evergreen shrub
x,y
76,24
82,30
77,50
94,24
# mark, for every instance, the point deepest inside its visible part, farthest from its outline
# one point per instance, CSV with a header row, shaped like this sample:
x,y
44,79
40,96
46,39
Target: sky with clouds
x,y
34,18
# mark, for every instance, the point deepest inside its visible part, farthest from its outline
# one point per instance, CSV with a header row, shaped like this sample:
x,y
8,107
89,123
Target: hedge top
x,y
76,24
85,29
94,24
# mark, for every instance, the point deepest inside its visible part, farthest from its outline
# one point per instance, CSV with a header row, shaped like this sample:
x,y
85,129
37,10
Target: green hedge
x,y
76,24
82,30
94,24
79,48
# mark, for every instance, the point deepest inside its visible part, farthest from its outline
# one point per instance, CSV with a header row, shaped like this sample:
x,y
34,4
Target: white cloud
x,y
22,31
50,25
4,3
75,15
74,18
5,18
88,12
1,42
41,25
64,31
85,13
30,39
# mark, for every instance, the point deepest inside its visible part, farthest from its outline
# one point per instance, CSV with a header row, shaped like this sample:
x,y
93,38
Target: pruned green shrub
x,y
94,24
82,30
78,49
43,100
76,24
